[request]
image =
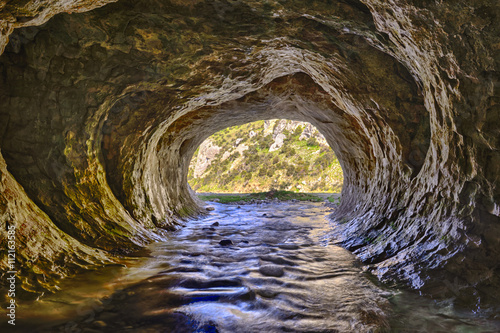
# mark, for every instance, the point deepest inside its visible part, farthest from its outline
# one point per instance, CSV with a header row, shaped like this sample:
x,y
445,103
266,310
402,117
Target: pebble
x,y
267,293
210,208
226,242
100,323
215,224
271,270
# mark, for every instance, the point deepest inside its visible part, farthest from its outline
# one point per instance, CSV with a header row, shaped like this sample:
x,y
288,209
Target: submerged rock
x,y
226,242
271,270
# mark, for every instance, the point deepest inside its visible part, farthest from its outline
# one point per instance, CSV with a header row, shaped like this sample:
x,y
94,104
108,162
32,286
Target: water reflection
x,y
254,268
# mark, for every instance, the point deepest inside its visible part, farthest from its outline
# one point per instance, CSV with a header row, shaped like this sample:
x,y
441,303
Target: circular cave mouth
x,y
147,154
266,156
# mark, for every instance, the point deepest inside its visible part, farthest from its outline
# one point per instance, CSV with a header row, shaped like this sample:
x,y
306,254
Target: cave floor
x,y
249,268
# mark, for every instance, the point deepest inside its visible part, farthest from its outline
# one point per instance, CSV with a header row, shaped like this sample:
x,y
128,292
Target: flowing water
x,y
252,268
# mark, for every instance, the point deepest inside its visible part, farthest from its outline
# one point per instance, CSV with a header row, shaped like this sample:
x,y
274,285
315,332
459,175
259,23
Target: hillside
x,y
272,154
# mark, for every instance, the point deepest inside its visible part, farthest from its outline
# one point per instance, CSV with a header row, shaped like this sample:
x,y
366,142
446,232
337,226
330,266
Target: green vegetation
x,y
248,162
270,195
333,199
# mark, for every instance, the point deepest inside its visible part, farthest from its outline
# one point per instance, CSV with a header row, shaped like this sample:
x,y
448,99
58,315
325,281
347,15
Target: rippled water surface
x,y
251,268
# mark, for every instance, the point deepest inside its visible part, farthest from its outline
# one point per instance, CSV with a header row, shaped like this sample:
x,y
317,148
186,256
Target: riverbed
x,y
264,268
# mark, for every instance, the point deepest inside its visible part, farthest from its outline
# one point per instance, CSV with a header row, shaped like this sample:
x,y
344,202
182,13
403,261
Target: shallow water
x,y
279,273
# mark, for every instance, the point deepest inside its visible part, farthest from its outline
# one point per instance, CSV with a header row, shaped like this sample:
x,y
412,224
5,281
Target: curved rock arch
x,y
92,104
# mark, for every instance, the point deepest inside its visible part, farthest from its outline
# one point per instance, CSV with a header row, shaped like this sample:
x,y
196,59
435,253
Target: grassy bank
x,y
270,195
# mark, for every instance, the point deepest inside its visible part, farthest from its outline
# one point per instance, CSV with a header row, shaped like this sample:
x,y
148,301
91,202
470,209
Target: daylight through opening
x,y
266,155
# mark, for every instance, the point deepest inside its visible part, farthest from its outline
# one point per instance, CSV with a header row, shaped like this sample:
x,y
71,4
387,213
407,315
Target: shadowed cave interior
x,y
101,110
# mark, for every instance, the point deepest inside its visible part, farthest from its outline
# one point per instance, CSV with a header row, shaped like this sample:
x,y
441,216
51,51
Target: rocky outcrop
x,y
278,142
206,155
101,112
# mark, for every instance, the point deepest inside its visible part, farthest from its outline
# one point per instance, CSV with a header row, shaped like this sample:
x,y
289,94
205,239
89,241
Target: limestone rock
x,y
206,155
101,111
278,142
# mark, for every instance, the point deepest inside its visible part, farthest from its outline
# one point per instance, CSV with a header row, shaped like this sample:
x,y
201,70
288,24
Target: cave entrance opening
x,y
263,156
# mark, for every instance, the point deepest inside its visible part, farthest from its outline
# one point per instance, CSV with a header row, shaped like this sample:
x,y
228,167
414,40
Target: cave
x,y
103,103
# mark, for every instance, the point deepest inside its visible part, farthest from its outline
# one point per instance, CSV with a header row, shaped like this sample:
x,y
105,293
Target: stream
x,y
251,268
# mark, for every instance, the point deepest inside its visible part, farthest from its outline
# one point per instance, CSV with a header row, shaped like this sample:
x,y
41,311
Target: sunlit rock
x,y
278,142
206,155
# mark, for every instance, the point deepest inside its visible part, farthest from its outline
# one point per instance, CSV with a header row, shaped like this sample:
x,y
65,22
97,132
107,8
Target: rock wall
x,y
36,243
17,14
101,112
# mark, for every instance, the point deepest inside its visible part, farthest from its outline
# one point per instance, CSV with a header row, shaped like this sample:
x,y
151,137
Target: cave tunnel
x,y
103,105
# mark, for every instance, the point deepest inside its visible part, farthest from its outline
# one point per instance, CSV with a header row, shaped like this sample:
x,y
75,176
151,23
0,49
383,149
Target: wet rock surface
x,y
101,111
193,285
271,270
226,242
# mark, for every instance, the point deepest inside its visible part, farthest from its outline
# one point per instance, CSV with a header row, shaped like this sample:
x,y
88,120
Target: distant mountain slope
x,y
264,155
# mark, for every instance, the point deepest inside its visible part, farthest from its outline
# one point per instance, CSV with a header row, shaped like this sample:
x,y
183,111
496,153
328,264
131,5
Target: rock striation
x,y
101,111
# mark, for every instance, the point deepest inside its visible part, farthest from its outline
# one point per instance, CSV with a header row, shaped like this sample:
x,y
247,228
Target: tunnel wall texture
x,y
101,111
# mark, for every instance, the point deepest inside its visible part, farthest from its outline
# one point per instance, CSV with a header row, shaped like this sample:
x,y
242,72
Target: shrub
x,y
290,152
270,172
322,162
265,142
297,132
233,156
251,152
283,185
312,142
247,176
290,169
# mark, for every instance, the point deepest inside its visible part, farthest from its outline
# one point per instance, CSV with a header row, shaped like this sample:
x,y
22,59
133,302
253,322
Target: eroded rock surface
x,y
101,111
207,154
